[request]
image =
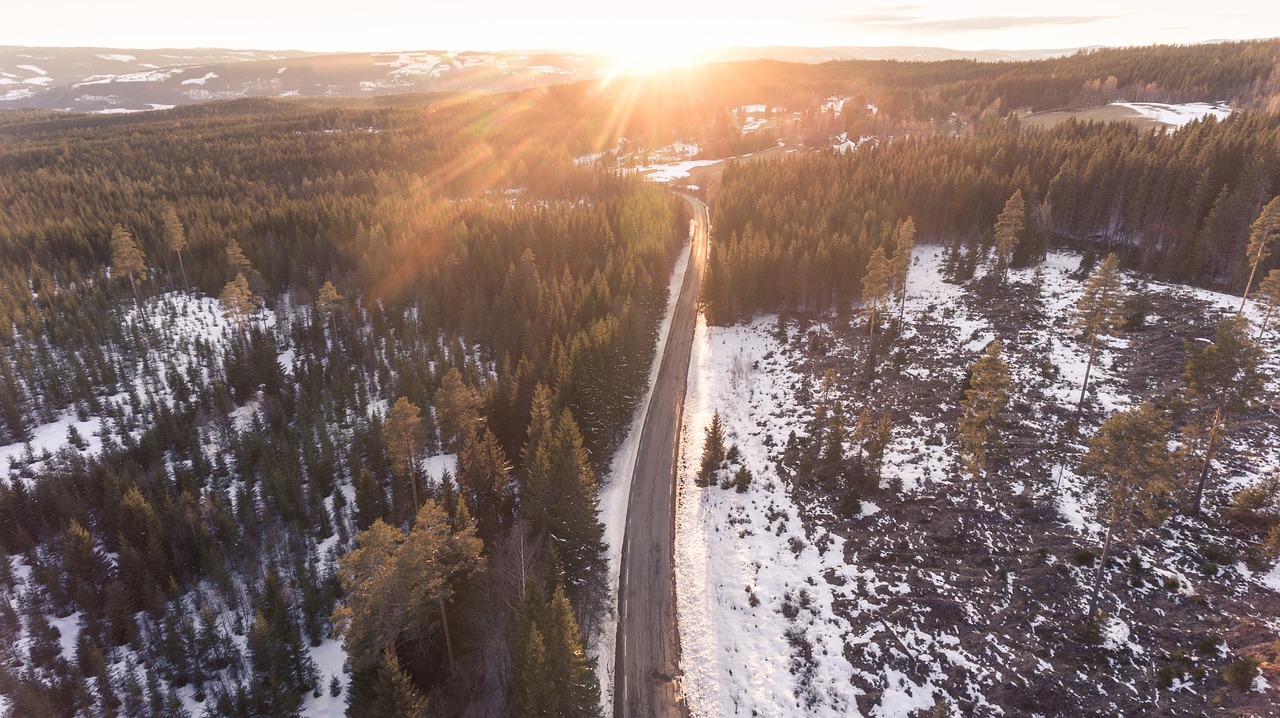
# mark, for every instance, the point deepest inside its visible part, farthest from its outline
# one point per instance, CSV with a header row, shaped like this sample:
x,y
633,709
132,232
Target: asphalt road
x,y
648,660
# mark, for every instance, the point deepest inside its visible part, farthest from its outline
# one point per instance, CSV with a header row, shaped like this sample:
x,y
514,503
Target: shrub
x,y
1240,674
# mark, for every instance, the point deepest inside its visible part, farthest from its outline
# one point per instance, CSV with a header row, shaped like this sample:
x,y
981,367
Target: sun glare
x,y
640,59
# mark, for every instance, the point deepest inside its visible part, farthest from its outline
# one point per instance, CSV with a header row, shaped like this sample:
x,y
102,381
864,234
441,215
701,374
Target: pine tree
x,y
402,431
903,248
986,397
328,300
126,259
1269,289
397,585
237,263
1099,312
1129,457
712,451
1262,235
875,285
1008,229
239,300
175,238
1221,377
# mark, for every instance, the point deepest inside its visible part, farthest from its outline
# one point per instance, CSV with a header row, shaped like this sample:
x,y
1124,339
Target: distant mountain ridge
x,y
127,80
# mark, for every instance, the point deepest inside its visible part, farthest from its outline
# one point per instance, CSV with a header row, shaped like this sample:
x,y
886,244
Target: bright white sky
x,y
653,28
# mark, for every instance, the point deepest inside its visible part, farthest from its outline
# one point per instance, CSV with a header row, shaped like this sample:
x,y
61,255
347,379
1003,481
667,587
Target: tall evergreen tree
x,y
1269,288
903,248
126,259
1262,235
402,432
1222,379
238,300
1098,312
875,286
712,451
986,397
1008,231
175,238
1129,457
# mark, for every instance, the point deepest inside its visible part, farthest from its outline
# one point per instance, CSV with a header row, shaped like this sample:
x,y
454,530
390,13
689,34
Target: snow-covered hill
x,y
116,80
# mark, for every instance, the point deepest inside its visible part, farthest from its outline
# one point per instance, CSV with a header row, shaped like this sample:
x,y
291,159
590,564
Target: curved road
x,y
648,659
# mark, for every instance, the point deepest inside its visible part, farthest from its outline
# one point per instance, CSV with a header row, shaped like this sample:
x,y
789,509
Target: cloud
x,y
903,21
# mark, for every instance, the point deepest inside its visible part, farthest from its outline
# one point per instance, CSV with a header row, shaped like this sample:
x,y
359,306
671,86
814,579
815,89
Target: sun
x,y
638,58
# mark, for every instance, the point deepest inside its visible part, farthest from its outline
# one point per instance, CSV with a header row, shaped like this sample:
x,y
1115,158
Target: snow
x,y
615,493
52,437
738,549
201,80
434,467
669,172
68,633
329,658
33,68
1178,115
748,109
116,57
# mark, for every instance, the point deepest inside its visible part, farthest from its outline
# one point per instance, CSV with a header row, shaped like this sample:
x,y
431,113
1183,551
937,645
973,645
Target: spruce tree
x,y
1098,312
393,693
712,451
1129,458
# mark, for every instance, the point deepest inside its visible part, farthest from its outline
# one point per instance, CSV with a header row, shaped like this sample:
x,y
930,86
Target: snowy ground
x,y
1178,115
743,559
781,615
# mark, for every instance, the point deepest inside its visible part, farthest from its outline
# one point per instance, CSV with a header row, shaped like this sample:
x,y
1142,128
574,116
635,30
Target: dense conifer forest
x,y
351,371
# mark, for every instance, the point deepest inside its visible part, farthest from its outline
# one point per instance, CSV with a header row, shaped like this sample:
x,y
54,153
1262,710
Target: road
x,y
647,681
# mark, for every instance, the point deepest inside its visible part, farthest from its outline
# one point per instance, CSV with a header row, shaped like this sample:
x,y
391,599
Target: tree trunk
x,y
1266,318
1093,345
902,302
185,281
413,486
136,302
1247,285
448,641
1102,566
1208,457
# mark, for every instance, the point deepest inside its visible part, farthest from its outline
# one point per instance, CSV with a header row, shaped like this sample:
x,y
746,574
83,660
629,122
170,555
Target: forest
x,y
350,371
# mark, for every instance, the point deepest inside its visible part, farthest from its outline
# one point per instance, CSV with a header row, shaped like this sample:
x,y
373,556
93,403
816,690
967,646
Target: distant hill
x,y
122,80
905,53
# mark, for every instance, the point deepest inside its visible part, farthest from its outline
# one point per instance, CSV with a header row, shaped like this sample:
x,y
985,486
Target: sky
x,y
651,28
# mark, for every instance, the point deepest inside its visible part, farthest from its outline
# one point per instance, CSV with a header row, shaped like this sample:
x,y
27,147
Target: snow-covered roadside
x,y
615,492
750,600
